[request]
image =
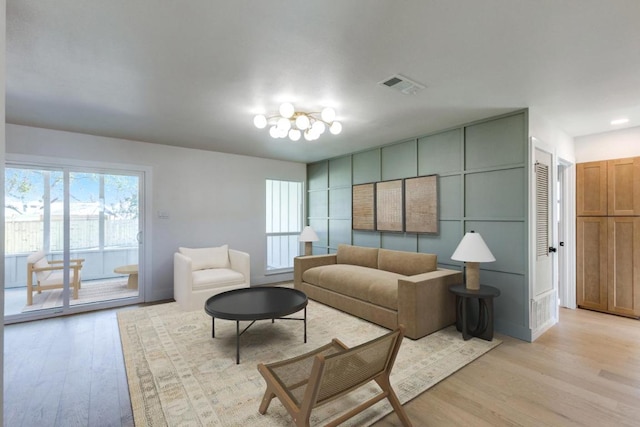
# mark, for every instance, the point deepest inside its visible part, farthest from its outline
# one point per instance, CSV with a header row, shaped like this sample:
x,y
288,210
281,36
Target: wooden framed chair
x,y
49,274
331,371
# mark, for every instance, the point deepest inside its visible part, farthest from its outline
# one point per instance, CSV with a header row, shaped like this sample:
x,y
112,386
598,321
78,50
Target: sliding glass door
x,y
72,239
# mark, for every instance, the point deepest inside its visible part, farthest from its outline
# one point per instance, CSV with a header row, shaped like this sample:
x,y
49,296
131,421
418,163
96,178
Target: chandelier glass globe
x,y
302,122
294,134
335,128
287,110
284,124
307,135
328,114
318,127
260,121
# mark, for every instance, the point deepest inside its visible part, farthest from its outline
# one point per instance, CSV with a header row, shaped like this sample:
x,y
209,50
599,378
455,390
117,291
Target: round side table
x,y
132,271
483,328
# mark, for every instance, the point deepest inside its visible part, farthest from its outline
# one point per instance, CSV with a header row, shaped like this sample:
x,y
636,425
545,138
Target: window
x,y
104,210
284,223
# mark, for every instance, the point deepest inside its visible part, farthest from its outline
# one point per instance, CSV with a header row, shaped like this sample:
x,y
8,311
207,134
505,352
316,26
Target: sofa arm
x,y
303,263
241,262
182,277
425,304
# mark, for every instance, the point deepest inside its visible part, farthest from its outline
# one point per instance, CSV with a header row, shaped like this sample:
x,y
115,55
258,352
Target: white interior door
x,y
544,294
544,223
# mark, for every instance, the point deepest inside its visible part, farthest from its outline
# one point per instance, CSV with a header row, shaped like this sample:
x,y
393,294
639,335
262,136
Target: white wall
x,y
211,198
544,130
609,145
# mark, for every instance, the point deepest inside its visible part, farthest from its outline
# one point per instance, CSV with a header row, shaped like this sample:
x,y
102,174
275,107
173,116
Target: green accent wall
x,y
482,184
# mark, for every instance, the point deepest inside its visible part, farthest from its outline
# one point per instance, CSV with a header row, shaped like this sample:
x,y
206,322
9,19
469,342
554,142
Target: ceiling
x,y
194,73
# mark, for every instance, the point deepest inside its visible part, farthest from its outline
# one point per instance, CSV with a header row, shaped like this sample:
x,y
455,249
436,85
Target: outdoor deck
x,y
91,291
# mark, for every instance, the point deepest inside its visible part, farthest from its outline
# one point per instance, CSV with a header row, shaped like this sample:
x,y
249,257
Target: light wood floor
x,y
585,371
67,372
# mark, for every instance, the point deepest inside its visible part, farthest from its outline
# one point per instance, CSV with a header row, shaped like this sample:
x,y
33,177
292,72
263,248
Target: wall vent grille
x,y
542,210
543,309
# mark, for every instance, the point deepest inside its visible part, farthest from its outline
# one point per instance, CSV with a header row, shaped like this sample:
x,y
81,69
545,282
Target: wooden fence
x,y
28,236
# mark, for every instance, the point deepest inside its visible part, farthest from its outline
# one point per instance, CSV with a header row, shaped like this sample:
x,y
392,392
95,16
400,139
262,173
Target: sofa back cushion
x,y
406,263
357,255
203,258
39,260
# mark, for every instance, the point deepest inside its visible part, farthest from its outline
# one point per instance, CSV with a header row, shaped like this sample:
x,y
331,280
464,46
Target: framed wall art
x,y
421,204
363,207
389,206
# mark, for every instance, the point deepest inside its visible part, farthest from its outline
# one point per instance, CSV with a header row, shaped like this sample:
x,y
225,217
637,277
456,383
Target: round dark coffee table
x,y
258,303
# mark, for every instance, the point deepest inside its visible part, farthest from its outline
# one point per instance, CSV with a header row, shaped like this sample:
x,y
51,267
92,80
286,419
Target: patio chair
x,y
331,371
49,274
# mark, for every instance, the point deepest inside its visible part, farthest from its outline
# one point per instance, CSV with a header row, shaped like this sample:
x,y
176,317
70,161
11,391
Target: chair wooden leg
x,y
29,293
384,383
302,420
266,401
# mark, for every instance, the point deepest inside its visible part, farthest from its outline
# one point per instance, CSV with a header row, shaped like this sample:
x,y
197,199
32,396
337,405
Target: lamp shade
x,y
472,248
308,235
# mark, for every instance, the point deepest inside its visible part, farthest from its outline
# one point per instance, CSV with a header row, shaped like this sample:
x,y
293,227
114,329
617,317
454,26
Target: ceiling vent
x,y
402,84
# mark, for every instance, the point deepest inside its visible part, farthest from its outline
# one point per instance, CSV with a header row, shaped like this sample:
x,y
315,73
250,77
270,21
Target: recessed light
x,y
619,121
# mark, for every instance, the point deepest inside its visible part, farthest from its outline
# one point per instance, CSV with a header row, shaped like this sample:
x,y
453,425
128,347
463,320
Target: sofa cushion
x,y
216,278
357,255
378,287
35,256
42,263
55,278
406,263
203,258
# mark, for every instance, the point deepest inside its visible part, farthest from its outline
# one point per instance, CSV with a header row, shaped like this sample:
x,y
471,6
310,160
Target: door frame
x,y
567,254
144,254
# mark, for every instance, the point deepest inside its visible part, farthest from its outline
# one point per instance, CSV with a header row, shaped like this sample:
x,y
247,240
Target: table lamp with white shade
x,y
307,236
473,250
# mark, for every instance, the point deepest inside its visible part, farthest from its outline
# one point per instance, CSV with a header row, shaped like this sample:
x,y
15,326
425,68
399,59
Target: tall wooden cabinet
x,y
591,271
591,194
608,236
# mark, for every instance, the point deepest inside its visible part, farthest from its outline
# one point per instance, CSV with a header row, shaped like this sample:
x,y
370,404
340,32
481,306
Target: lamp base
x,y
473,276
308,250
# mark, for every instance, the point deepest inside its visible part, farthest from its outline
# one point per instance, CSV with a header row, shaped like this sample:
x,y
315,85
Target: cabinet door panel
x,y
624,265
591,263
591,197
623,184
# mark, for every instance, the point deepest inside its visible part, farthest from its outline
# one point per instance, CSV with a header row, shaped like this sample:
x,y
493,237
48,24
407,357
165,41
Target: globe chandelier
x,y
296,124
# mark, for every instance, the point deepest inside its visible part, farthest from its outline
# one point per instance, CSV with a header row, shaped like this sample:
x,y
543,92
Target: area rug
x,y
179,375
89,292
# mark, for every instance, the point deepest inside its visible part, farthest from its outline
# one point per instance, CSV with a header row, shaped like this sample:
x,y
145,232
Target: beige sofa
x,y
383,286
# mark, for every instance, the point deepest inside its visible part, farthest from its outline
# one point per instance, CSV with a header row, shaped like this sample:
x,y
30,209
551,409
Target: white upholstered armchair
x,y
200,273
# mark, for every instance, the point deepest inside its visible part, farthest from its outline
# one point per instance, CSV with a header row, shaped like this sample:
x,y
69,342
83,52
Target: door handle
x,y
552,249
